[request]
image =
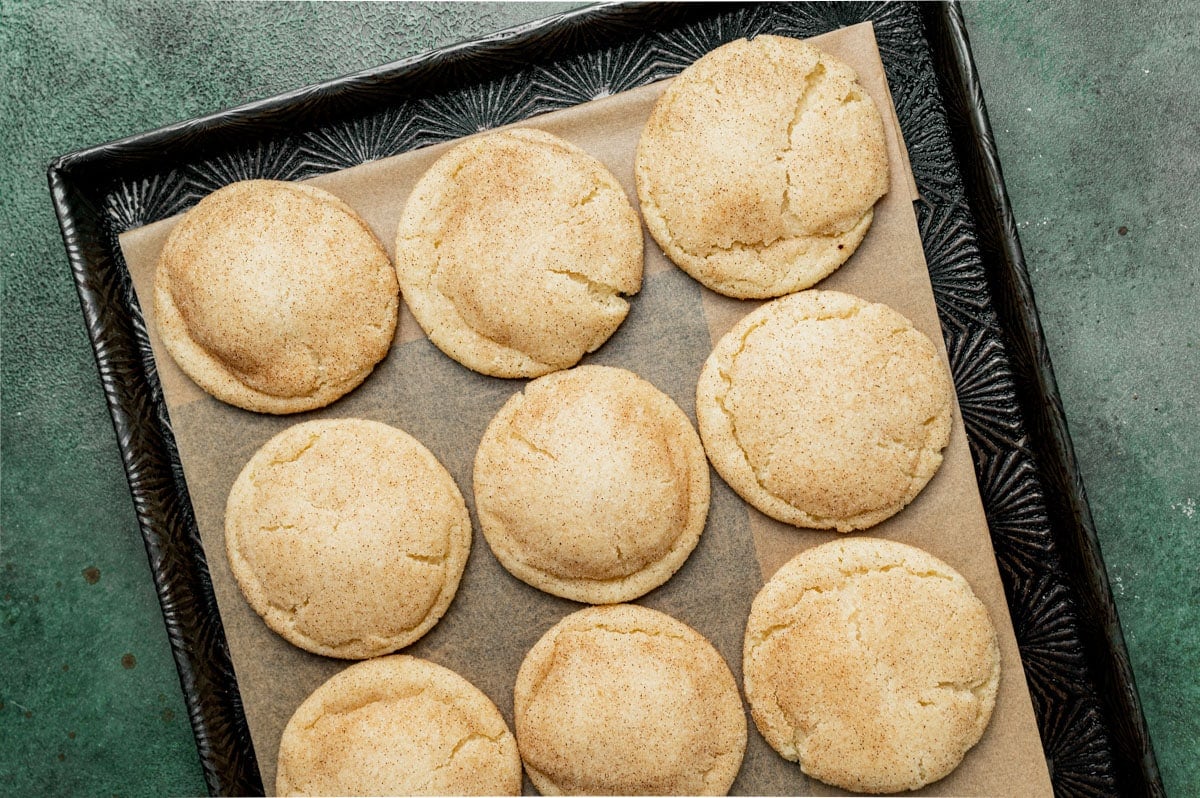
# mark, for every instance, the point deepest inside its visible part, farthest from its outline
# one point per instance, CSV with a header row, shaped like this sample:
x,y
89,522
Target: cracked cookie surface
x,y
824,410
592,485
275,297
514,252
625,700
347,536
760,166
398,725
872,664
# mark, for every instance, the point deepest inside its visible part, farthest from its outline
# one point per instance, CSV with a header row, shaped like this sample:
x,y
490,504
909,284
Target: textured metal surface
x,y
1080,635
509,77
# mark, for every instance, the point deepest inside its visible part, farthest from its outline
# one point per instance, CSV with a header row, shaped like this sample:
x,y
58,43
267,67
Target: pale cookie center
x,y
597,490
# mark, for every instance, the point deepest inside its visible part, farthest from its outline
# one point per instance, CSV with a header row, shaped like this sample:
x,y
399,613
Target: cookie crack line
x,y
589,196
855,626
727,381
540,678
909,452
972,686
918,479
601,293
604,627
495,739
803,102
720,398
800,735
428,559
594,286
848,575
719,761
292,609
312,441
440,327
318,363
518,436
922,773
976,688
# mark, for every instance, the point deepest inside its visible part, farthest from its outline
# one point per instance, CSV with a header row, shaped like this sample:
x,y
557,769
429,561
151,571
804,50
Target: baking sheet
x,y
670,330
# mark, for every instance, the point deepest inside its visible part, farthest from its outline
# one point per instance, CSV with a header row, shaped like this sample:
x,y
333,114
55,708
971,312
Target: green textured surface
x,y
1096,117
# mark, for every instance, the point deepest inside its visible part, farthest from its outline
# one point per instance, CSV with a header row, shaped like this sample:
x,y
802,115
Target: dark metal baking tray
x,y
1091,723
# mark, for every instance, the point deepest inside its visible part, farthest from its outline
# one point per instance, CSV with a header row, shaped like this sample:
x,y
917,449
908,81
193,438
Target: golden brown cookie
x,y
591,485
872,664
514,251
347,536
624,700
824,410
275,297
397,726
760,166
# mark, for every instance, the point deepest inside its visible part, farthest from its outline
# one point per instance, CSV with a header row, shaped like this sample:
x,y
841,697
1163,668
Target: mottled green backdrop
x,y
1095,108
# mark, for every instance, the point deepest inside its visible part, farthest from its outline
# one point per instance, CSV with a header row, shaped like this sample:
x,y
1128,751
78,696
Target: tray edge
x,y
1042,405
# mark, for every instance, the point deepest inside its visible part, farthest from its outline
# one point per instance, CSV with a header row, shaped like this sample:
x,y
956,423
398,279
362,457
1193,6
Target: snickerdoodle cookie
x,y
514,251
872,664
275,297
591,485
760,166
398,726
824,410
624,700
348,537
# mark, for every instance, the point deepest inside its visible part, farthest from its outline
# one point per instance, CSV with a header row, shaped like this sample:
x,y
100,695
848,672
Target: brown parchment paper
x,y
669,332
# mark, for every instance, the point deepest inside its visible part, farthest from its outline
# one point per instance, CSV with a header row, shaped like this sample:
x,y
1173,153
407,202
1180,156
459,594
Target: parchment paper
x,y
671,328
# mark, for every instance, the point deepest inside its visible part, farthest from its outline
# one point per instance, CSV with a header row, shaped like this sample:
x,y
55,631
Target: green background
x,y
1097,115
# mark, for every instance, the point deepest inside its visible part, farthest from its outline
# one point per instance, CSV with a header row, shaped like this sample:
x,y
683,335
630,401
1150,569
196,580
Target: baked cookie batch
x,y
870,663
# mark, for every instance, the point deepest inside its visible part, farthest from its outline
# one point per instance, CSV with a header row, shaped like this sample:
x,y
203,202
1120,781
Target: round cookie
x,y
824,410
513,252
624,700
397,726
275,297
347,536
760,166
591,485
872,664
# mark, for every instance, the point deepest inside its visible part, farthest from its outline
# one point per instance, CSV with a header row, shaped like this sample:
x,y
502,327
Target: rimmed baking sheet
x,y
1095,745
